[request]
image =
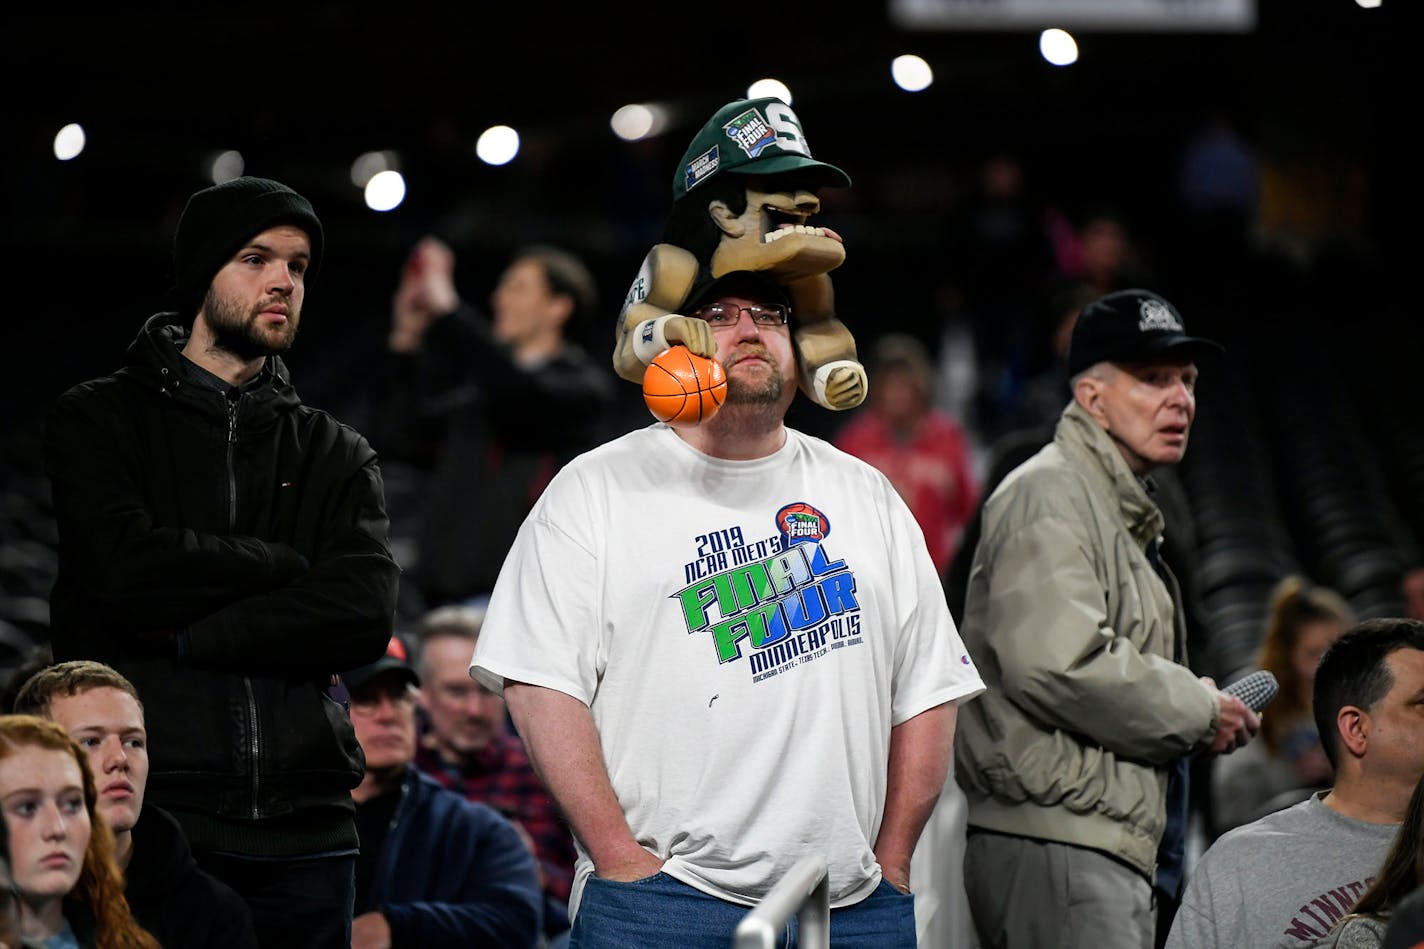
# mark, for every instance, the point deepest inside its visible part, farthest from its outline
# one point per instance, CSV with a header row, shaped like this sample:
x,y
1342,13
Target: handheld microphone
x,y
1256,689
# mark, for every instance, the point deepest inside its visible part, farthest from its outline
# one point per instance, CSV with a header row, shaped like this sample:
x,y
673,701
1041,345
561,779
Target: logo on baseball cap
x,y
751,137
1131,326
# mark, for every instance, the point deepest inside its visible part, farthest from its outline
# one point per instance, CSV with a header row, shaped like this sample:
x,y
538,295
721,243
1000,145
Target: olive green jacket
x,y
1074,634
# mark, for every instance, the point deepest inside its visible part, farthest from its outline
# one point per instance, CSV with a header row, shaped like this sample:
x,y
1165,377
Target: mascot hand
x,y
692,332
841,385
653,336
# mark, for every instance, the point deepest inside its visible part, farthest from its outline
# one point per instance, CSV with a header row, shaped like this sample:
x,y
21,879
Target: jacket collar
x,y
1081,438
161,855
155,356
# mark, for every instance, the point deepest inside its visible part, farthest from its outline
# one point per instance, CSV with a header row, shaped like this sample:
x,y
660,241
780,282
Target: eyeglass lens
x,y
725,314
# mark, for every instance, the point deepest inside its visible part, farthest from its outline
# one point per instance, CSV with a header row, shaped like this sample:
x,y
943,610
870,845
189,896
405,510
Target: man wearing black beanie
x,y
224,547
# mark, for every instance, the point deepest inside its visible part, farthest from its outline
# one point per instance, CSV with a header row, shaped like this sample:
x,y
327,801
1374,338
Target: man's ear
x,y
1088,392
730,224
1353,727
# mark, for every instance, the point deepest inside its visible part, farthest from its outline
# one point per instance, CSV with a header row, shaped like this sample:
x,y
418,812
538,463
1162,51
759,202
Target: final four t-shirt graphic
x,y
779,601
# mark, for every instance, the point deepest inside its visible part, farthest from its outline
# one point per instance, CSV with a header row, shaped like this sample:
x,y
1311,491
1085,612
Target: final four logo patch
x,y
751,132
800,522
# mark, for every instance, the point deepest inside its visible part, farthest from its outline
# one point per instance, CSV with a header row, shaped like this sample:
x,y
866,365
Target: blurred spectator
x,y
1219,172
1400,875
467,745
435,869
1412,586
922,450
1002,256
1108,257
1288,763
1046,392
490,407
68,889
1220,185
170,896
1286,879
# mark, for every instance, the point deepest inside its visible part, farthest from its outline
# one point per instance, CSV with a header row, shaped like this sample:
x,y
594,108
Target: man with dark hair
x,y
180,904
726,649
484,409
1075,763
224,547
1288,878
435,869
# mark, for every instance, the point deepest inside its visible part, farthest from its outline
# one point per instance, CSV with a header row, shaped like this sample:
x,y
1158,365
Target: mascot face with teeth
x,y
743,197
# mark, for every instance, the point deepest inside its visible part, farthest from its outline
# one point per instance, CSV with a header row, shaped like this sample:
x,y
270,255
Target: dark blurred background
x,y
1261,176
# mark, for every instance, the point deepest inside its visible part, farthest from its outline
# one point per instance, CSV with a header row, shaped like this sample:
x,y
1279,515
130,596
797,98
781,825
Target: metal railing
x,y
803,892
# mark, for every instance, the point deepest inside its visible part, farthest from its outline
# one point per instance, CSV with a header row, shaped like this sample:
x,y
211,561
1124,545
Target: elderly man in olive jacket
x,y
1073,762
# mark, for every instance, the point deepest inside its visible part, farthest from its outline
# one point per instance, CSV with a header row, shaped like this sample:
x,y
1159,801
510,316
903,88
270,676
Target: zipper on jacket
x,y
253,745
231,473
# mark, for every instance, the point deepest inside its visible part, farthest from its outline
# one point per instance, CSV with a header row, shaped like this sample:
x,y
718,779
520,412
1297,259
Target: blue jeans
x,y
659,911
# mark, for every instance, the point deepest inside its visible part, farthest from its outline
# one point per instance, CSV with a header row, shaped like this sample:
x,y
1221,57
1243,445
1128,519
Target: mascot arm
x,y
649,322
831,376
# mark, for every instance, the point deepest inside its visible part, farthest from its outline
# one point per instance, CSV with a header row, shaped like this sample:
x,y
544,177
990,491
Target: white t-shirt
x,y
746,634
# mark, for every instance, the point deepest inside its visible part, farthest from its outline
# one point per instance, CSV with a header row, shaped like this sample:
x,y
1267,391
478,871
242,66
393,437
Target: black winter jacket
x,y
228,557
183,907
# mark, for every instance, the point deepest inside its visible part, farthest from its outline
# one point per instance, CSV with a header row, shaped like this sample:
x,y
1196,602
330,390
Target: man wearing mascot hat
x,y
726,648
742,197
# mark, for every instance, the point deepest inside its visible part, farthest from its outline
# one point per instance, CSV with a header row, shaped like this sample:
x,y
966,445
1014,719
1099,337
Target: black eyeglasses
x,y
725,314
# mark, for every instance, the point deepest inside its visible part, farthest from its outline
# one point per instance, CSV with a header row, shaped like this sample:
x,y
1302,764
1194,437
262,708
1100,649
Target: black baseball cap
x,y
1131,326
397,658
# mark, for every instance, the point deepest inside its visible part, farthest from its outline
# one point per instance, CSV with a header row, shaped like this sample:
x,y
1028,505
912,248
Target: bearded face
x,y
254,303
244,329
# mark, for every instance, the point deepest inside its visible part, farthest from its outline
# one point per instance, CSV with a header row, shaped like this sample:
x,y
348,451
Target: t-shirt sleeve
x,y
1197,923
931,664
541,626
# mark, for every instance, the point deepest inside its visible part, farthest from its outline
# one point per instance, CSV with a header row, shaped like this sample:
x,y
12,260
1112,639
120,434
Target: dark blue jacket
x,y
454,873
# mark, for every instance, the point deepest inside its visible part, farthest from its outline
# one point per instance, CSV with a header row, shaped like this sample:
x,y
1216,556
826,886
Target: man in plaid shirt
x,y
467,745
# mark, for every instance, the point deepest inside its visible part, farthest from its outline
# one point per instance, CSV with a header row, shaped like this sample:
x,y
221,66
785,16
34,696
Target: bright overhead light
x,y
69,141
911,73
638,121
1368,4
1058,47
497,145
769,88
385,191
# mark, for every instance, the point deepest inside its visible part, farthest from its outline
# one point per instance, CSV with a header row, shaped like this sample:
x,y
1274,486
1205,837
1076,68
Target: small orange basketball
x,y
682,388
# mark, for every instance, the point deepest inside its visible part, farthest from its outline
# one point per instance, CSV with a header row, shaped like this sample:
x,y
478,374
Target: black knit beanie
x,y
217,221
